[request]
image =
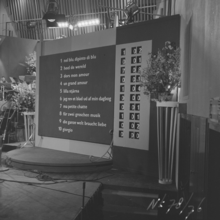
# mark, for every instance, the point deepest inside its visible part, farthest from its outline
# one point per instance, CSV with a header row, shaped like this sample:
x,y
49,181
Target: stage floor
x,y
48,160
41,201
29,194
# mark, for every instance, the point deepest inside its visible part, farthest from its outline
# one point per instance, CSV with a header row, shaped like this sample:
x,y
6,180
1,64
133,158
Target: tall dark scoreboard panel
x,y
132,107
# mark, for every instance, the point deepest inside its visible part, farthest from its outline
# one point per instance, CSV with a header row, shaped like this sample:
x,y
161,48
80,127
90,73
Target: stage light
x,y
71,27
53,19
56,20
88,23
131,10
63,24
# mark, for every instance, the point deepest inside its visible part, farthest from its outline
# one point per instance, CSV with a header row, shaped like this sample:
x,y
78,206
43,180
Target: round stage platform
x,y
48,160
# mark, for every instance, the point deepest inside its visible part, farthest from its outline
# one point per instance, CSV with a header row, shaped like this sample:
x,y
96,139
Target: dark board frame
x,y
159,31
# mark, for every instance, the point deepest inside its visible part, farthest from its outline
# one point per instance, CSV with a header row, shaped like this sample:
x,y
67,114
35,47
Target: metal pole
x,y
1,150
2,169
83,199
6,28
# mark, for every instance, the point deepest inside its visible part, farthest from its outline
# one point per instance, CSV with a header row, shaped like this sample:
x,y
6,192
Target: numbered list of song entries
x,y
71,84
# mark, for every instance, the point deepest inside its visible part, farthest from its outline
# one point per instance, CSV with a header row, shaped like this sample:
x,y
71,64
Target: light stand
x,y
131,9
83,200
2,169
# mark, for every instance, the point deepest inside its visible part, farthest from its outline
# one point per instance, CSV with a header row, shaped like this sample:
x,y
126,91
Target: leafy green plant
x,y
162,73
30,61
23,97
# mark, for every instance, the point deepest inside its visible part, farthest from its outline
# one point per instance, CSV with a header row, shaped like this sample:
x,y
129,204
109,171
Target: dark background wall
x,y
200,50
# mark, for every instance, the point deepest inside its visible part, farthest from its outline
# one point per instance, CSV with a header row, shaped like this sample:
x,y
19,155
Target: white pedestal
x,y
167,120
29,127
2,169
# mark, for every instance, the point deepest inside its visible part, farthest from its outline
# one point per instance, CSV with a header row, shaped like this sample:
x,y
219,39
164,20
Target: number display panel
x,y
132,107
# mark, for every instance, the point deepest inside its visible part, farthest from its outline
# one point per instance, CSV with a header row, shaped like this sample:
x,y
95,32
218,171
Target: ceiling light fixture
x,y
71,27
131,10
53,19
86,23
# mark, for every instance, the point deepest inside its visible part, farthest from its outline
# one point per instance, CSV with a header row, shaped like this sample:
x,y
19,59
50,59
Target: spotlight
x,y
53,19
71,27
88,23
131,10
63,24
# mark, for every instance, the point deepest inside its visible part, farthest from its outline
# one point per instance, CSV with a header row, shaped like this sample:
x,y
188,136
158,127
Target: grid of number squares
x,y
135,89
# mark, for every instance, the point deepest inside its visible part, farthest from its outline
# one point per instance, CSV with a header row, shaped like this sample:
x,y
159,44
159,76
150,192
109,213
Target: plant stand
x,y
167,120
29,128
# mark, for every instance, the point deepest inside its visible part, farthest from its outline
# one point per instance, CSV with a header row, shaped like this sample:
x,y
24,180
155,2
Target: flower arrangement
x,y
162,73
30,61
23,97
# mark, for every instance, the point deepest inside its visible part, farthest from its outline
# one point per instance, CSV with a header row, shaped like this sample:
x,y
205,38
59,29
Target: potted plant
x,y
159,79
30,61
162,73
23,97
